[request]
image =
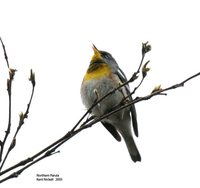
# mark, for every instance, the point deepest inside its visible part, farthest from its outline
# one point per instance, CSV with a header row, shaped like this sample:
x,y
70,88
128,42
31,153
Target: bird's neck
x,y
97,70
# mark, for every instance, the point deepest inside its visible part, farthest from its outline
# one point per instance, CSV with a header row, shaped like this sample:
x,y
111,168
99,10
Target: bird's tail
x,y
123,126
132,148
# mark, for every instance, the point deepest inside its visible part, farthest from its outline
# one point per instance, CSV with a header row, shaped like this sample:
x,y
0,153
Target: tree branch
x,y
5,54
9,90
22,117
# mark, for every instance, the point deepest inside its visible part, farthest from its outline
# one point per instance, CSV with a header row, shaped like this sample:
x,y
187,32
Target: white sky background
x,y
54,38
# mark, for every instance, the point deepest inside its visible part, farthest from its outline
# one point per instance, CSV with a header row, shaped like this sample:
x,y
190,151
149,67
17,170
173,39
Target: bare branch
x,y
5,54
9,89
22,117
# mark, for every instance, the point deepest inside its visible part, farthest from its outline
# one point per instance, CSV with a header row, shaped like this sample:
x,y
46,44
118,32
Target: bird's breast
x,y
94,89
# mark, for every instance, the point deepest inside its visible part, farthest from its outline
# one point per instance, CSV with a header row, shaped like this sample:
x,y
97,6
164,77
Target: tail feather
x,y
123,126
132,148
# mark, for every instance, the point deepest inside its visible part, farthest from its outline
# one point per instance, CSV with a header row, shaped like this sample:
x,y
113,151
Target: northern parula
x,y
102,76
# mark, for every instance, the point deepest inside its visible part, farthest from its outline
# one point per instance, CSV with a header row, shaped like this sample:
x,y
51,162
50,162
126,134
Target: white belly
x,y
95,89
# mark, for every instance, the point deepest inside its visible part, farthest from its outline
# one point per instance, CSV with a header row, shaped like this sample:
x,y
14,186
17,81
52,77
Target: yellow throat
x,y
97,68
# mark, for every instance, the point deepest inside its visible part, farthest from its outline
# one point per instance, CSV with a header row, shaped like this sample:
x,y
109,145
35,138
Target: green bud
x,y
12,73
21,118
157,88
133,77
12,144
145,69
146,48
32,77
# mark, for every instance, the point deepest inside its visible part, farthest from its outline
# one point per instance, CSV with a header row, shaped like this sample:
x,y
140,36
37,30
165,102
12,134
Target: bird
x,y
102,76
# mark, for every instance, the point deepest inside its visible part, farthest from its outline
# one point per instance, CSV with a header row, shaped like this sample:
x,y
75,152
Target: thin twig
x,y
22,116
9,90
21,122
5,54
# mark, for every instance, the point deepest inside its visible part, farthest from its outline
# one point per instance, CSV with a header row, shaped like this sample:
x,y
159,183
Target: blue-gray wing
x,y
123,79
